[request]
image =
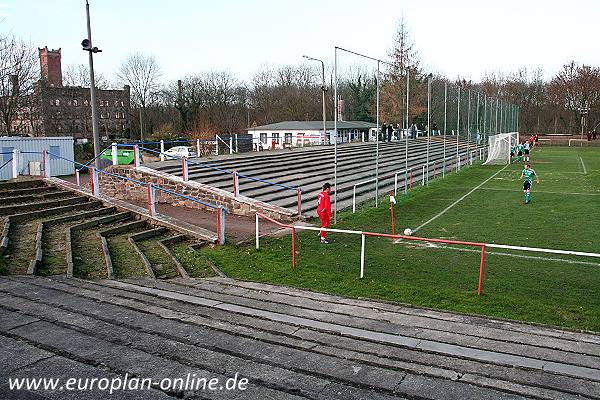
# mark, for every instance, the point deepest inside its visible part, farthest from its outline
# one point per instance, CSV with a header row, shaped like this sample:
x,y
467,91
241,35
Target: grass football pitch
x,y
536,287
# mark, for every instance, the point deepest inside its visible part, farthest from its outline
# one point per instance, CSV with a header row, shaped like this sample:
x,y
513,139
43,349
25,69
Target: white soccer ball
x,y
407,232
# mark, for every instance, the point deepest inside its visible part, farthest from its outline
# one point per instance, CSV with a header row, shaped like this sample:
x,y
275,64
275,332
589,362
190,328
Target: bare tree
x,y
79,75
18,74
142,73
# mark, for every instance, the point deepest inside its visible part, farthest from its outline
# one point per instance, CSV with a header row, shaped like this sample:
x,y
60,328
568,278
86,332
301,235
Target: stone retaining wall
x,y
130,191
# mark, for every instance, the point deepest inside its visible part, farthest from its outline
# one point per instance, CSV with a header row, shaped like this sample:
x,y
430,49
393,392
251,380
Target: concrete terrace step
x,y
283,341
310,168
70,199
28,191
85,239
20,184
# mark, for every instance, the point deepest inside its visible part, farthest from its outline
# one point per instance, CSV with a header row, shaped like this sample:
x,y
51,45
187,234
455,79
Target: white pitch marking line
x,y
543,191
501,253
583,165
457,201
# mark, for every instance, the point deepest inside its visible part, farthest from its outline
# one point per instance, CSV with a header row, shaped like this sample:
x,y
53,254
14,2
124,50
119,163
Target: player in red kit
x,y
324,210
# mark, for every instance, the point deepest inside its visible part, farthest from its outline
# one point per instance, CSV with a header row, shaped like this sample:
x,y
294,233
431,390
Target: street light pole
x,y
335,133
93,98
323,89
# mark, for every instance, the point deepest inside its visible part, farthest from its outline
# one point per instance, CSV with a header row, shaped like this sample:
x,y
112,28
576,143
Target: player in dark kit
x,y
527,174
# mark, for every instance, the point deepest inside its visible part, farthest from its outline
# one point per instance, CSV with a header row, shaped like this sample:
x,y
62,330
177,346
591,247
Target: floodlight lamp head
x,y
86,44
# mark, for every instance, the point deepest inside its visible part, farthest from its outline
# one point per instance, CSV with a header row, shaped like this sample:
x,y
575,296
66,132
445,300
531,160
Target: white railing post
x,y
423,176
15,163
45,164
353,199
184,169
217,145
94,183
48,166
221,227
237,145
77,181
362,255
136,156
114,154
230,144
236,184
257,234
162,150
151,200
470,157
396,184
197,147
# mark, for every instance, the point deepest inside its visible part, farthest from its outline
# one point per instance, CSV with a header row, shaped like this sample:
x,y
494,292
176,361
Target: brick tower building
x,y
58,110
50,66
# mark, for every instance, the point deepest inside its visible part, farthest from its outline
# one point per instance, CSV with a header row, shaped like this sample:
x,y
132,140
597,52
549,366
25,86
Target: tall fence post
x,y
411,180
114,154
162,150
151,200
230,144
257,233
217,145
136,156
362,255
236,183
197,147
15,163
221,225
184,169
299,201
77,180
423,176
396,184
237,145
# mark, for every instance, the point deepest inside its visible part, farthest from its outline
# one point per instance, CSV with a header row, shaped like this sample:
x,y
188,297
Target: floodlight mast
x,y
87,46
323,89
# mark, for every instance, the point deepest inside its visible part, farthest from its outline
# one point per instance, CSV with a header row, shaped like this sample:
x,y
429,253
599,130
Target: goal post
x,y
499,148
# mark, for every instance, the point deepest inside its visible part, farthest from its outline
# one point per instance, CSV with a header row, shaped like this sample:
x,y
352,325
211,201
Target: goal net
x,y
499,147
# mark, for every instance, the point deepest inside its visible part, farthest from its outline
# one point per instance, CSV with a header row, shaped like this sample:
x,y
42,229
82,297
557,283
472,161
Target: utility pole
x,y
87,46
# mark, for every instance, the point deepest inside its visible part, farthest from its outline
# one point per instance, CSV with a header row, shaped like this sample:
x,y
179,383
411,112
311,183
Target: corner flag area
x,y
482,204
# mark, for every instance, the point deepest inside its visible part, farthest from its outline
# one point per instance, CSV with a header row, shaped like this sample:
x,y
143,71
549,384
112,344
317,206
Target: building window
x,y
276,137
263,138
288,138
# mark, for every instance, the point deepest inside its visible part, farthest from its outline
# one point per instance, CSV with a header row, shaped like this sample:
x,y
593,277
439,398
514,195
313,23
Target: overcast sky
x,y
465,38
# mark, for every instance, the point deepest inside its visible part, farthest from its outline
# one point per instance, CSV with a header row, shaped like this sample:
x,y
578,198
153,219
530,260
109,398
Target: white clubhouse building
x,y
310,133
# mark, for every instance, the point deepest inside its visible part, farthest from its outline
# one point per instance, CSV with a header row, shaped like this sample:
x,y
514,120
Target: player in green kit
x,y
527,175
520,150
